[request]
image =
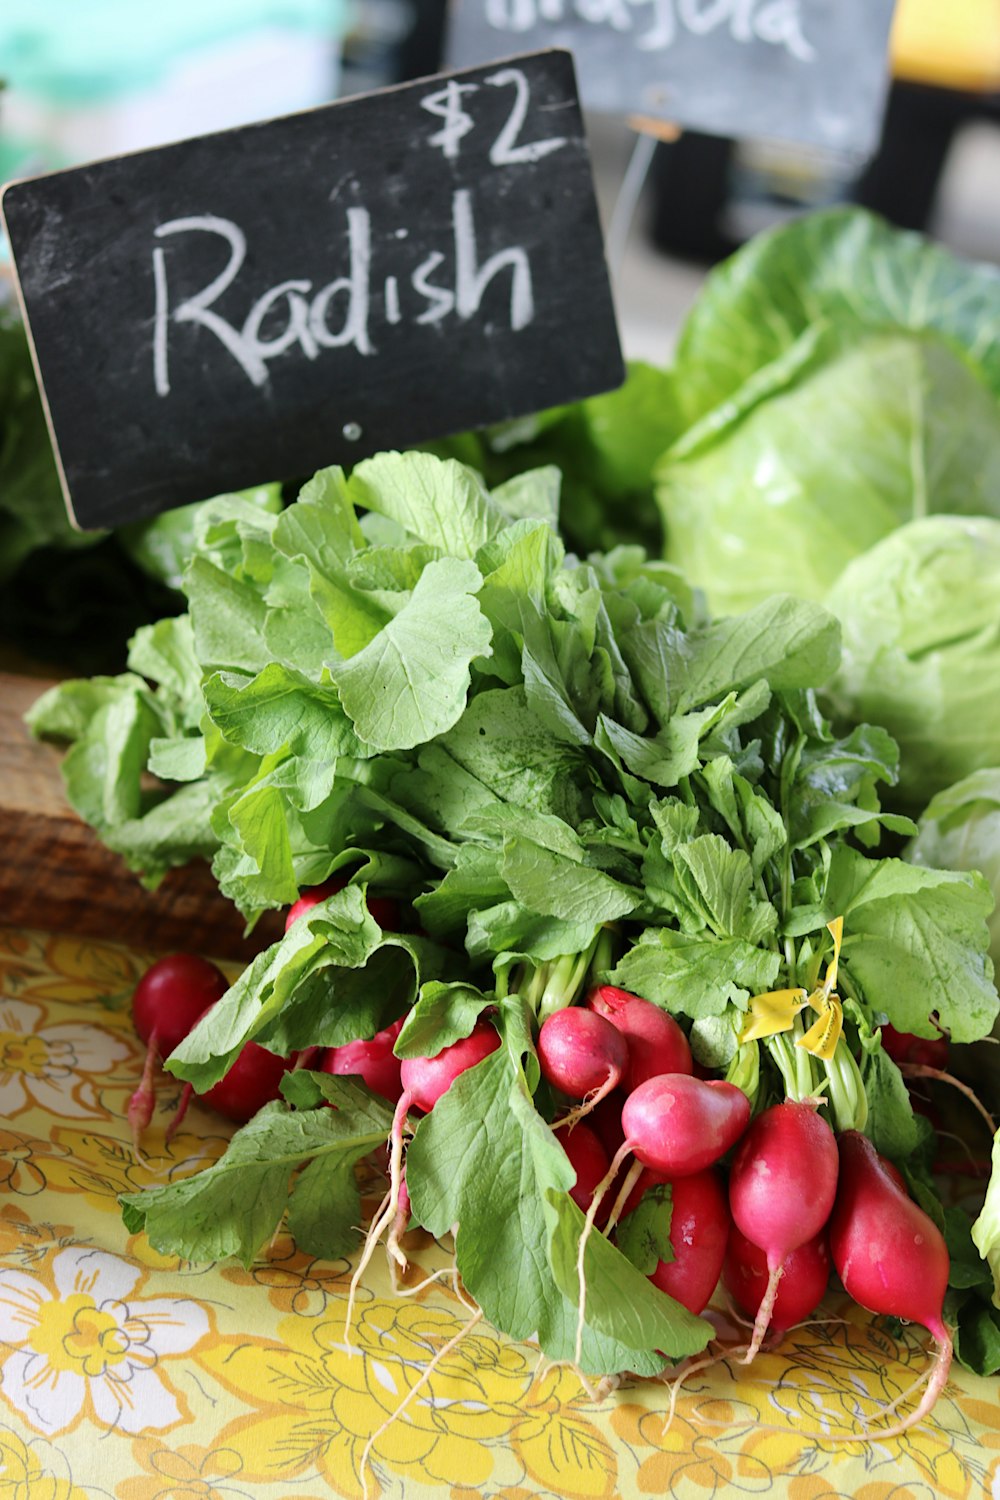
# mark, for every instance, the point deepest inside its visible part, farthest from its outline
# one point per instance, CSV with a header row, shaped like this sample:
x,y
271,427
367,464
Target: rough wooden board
x,y
55,873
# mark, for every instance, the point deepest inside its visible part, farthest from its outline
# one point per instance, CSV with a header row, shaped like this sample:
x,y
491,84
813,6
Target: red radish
x,y
895,1174
312,896
699,1230
171,996
800,1290
252,1081
382,908
926,1051
371,1060
677,1124
168,1001
781,1189
583,1055
606,1120
656,1044
890,1256
425,1080
588,1159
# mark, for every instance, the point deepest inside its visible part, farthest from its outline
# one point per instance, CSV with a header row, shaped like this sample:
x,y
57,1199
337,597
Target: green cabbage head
x,y
920,613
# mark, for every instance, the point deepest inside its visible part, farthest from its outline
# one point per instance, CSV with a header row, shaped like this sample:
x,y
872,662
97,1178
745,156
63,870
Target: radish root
x,y
705,1363
591,1102
140,1106
921,1070
187,1094
442,1354
386,1215
631,1178
936,1378
764,1312
599,1192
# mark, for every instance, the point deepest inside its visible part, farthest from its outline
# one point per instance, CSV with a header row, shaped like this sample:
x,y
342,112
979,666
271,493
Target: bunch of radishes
x,y
795,1197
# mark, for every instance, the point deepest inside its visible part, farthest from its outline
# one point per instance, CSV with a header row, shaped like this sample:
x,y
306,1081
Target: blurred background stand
x,y
711,194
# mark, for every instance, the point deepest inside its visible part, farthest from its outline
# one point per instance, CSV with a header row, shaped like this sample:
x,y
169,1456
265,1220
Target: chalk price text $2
x,y
338,314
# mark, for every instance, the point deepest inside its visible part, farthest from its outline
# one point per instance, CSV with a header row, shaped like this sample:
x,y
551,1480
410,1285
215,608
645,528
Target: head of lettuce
x,y
920,613
835,379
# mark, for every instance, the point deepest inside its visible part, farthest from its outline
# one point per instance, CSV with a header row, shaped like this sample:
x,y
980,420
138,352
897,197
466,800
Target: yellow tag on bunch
x,y
772,1012
822,1037
775,1011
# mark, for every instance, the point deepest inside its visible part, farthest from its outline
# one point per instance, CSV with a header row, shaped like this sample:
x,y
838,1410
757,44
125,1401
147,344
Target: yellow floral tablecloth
x,y
125,1375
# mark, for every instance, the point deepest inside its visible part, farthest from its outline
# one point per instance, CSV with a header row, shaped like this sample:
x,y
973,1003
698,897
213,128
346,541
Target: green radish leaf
x,y
234,1206
442,1015
484,1159
695,975
281,709
986,1229
436,500
916,941
621,1302
337,931
481,1159
643,1236
410,682
227,616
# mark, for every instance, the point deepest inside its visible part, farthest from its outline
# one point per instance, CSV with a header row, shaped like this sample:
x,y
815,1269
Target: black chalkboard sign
x,y
254,304
812,72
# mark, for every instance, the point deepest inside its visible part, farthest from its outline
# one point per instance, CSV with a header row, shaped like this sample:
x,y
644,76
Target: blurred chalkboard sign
x,y
255,304
812,72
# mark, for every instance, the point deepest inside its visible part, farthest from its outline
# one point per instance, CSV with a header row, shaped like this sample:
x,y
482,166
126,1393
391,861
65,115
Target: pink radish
x,y
781,1190
372,1060
675,1124
252,1081
582,1055
588,1159
926,1051
800,1290
606,1121
699,1230
890,1256
382,908
656,1044
169,999
425,1080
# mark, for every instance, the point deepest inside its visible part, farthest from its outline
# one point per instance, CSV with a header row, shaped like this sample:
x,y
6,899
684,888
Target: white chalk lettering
x,y
355,328
337,314
503,152
297,331
441,299
471,280
197,309
447,106
780,23
776,23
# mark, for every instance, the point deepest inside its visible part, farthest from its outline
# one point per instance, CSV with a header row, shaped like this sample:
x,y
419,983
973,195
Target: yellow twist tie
x,y
822,1037
772,1012
775,1011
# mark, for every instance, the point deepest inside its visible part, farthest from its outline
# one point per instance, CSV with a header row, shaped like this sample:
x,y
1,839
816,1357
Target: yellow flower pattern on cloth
x,y
130,1375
